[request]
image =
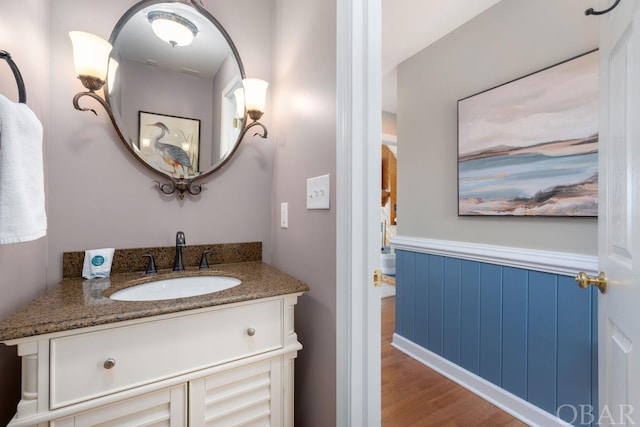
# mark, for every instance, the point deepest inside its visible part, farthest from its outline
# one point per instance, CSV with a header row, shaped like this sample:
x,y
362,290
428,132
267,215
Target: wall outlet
x,y
319,192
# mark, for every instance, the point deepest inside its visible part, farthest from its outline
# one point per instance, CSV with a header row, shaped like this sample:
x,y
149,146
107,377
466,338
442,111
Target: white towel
x,y
22,211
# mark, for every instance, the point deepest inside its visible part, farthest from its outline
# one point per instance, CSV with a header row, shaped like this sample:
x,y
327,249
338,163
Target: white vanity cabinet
x,y
224,365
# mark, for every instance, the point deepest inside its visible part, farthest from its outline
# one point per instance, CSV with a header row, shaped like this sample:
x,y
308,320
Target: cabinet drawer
x,y
153,351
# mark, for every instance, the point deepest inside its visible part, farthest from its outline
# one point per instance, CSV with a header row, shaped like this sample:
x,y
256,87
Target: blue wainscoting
x,y
528,332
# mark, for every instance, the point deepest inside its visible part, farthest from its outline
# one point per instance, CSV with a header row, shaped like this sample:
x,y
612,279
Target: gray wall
x,y
22,265
305,137
509,40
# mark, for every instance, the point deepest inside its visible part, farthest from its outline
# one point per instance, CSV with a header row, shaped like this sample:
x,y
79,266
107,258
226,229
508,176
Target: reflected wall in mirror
x,y
178,85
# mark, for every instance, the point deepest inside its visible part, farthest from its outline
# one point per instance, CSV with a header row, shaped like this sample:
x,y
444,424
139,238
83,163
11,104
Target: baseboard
x,y
510,403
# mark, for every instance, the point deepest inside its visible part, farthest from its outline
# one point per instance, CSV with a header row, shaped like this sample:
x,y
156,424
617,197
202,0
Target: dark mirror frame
x,y
181,185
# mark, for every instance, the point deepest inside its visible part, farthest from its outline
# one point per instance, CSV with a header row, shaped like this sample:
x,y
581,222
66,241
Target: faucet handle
x,y
203,260
180,239
151,265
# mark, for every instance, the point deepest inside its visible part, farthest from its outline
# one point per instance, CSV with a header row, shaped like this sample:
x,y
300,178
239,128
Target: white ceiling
x,y
408,26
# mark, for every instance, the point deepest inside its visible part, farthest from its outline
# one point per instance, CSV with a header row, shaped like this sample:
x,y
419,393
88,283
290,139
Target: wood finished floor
x,y
414,395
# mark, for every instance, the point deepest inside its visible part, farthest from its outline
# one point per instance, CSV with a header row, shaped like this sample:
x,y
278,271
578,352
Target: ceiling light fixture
x,y
172,28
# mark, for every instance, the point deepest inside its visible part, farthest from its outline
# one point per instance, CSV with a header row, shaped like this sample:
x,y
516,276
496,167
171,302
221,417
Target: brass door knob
x,y
584,281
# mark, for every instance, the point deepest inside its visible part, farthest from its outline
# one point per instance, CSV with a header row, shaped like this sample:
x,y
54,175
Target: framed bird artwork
x,y
170,144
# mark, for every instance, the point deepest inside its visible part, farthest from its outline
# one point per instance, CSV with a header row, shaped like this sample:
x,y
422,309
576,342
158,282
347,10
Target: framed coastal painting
x,y
530,147
170,144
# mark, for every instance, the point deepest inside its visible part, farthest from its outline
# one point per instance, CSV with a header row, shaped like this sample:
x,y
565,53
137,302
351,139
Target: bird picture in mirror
x,y
170,143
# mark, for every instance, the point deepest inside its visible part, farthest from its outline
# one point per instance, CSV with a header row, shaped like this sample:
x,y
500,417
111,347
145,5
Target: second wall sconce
x,y
255,95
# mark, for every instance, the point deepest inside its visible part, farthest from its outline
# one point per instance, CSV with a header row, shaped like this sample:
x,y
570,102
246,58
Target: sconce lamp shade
x,y
255,94
172,28
90,54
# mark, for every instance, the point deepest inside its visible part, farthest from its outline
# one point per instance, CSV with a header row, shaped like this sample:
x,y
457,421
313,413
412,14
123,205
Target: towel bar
x,y
22,92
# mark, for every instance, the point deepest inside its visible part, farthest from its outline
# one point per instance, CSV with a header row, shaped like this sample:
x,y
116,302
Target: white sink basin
x,y
179,287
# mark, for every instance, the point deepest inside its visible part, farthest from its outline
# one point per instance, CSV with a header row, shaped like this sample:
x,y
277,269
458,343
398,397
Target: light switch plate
x,y
319,192
284,215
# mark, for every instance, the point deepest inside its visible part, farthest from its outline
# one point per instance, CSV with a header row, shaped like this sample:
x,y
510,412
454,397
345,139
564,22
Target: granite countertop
x,y
77,303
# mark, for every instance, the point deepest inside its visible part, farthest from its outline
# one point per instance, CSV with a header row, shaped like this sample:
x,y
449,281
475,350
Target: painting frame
x,y
154,143
529,147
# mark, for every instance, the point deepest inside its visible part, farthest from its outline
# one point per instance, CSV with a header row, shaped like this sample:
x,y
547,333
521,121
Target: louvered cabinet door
x,y
250,395
162,408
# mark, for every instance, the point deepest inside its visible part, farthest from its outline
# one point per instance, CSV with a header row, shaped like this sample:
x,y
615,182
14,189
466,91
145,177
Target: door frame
x,y
359,118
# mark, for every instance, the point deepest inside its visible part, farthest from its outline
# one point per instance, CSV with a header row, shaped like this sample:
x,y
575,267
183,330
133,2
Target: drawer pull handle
x,y
251,332
109,363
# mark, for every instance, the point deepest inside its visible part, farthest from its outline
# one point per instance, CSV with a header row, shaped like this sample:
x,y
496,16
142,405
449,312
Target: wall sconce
x,y
91,58
90,55
172,28
255,94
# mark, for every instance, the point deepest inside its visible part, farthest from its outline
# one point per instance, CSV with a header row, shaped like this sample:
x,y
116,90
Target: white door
x,y
619,216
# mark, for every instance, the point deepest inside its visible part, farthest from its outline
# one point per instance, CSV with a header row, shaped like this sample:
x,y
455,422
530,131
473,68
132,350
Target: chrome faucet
x,y
180,243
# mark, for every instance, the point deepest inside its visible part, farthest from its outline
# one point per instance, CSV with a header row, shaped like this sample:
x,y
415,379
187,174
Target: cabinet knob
x,y
109,363
251,332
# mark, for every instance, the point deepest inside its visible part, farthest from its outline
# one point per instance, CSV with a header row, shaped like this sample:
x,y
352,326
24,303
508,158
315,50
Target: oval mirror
x,y
175,103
